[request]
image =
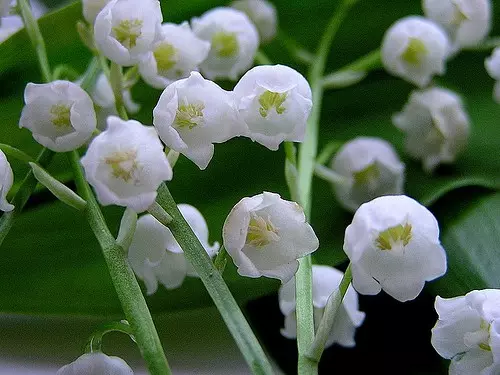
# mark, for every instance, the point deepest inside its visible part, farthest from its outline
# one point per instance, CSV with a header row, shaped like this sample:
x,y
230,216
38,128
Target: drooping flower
x,y
492,65
468,332
415,49
263,14
178,53
325,281
96,364
275,103
126,30
6,180
155,255
234,42
265,235
436,126
393,244
126,164
60,115
192,114
372,169
467,22
91,9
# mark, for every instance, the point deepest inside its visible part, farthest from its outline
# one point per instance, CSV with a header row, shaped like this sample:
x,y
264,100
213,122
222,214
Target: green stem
x,y
90,76
329,175
307,160
262,59
328,151
94,344
215,285
126,286
298,52
116,81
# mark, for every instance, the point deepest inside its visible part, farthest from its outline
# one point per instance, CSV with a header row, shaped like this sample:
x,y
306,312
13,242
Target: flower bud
x,y
436,126
155,255
492,65
263,15
468,332
178,53
126,30
372,169
234,42
91,9
325,281
393,244
265,235
126,164
6,180
275,103
96,364
192,114
60,115
467,22
415,49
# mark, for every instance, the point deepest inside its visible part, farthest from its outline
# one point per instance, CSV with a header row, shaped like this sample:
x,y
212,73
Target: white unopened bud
x,y
493,68
6,180
234,41
126,30
325,281
155,255
96,364
265,235
126,164
60,115
192,114
468,332
91,9
393,244
178,53
275,103
372,169
415,49
436,126
468,22
263,14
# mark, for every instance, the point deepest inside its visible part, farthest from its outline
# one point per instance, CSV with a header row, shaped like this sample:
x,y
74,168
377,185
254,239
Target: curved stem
x,y
261,58
298,52
116,81
94,344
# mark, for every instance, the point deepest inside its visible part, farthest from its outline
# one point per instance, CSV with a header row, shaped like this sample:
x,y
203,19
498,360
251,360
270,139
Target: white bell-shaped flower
x,y
155,255
275,103
263,14
325,281
126,164
234,42
192,114
467,22
372,169
492,65
415,49
436,126
126,30
393,244
468,332
91,9
96,364
265,235
60,114
178,53
6,180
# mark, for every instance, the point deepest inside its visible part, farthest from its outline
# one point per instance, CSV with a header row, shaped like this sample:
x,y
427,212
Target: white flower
x,y
275,103
468,332
125,164
178,53
6,180
265,235
9,26
468,22
393,244
492,65
436,126
325,281
91,9
60,115
96,364
234,41
192,114
415,49
372,168
126,30
263,14
155,255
